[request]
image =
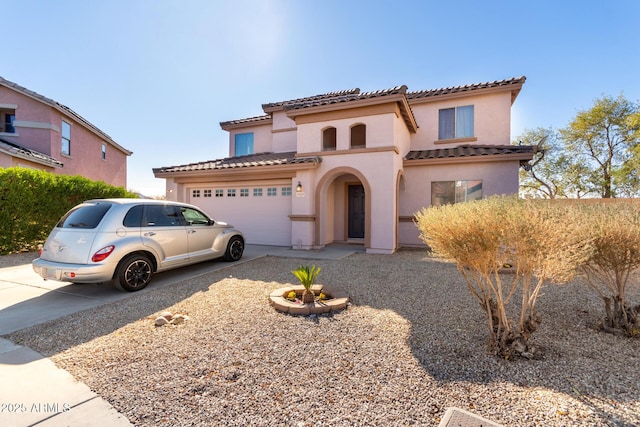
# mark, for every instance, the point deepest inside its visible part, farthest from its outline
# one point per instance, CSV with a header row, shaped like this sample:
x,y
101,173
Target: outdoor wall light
x,y
299,187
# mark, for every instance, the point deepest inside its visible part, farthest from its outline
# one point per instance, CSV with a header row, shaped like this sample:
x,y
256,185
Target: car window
x,y
84,216
193,217
161,216
133,218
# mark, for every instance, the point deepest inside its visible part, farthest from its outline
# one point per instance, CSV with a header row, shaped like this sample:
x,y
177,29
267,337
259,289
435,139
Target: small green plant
x,y
307,277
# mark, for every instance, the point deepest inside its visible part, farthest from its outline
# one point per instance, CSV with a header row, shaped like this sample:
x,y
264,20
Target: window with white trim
x,y
195,193
455,122
104,152
231,192
65,138
219,192
244,192
207,193
257,192
272,191
285,191
7,118
450,192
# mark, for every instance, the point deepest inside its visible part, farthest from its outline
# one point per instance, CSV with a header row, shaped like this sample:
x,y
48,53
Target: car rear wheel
x,y
235,248
134,273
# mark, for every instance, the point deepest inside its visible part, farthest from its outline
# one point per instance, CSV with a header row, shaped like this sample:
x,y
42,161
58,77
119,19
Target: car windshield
x,y
85,216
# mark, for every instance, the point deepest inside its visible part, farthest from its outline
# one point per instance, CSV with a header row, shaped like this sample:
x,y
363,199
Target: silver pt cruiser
x,y
126,241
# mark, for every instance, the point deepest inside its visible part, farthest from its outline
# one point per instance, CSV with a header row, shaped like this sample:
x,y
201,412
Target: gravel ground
x,y
411,345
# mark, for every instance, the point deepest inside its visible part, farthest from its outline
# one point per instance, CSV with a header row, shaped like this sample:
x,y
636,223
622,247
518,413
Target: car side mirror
x,y
211,222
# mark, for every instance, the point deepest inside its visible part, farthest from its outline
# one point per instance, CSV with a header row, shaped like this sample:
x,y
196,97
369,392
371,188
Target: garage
x,y
261,211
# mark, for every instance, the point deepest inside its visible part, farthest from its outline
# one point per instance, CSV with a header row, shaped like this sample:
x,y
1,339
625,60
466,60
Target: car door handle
x,y
149,234
191,231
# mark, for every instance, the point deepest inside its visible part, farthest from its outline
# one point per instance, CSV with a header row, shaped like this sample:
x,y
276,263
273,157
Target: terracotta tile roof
x,y
330,95
471,151
251,160
350,95
466,88
257,119
345,98
64,109
17,150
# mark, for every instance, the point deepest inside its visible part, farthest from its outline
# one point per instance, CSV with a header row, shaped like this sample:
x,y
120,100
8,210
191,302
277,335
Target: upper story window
x,y
358,136
7,117
66,138
329,139
104,152
455,122
243,144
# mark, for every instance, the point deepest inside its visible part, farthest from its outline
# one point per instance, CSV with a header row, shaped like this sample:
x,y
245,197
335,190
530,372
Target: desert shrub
x,y
612,267
541,242
32,201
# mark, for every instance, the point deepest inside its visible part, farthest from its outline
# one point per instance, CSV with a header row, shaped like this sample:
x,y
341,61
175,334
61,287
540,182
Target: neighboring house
x,y
355,166
40,133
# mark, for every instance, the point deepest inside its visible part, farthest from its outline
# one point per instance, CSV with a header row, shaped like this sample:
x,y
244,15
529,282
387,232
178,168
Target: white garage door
x,y
260,212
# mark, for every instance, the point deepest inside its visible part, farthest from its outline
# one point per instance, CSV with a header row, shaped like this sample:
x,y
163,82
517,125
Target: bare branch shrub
x,y
539,241
612,268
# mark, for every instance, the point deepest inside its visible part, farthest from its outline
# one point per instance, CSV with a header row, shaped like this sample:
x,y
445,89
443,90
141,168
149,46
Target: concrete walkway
x,y
33,391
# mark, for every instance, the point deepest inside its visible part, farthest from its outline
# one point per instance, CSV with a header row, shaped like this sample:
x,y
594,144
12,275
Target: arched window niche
x,y
358,136
329,139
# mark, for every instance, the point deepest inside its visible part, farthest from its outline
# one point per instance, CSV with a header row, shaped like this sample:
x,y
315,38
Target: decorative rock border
x,y
338,300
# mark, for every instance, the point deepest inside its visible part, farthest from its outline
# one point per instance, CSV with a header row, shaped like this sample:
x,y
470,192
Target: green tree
x,y
546,174
602,143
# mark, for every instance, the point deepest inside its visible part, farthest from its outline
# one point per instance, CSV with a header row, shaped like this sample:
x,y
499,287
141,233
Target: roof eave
x,y
514,88
233,124
469,159
236,172
32,159
399,98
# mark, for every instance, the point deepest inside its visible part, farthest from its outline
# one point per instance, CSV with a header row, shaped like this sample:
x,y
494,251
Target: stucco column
x,y
302,211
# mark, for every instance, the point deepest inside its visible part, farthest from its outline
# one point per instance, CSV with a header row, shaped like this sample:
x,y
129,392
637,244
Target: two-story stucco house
x,y
355,166
38,132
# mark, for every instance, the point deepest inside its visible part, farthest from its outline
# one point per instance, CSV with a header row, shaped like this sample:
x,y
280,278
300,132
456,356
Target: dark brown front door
x,y
356,212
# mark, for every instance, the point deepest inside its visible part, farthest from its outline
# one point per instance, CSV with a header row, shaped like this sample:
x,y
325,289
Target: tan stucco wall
x,y
492,120
262,140
497,178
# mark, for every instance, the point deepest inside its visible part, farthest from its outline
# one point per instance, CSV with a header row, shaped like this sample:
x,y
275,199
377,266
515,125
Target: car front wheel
x,y
134,273
235,248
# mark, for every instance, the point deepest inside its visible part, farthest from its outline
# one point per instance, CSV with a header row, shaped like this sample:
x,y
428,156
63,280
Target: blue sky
x,y
159,76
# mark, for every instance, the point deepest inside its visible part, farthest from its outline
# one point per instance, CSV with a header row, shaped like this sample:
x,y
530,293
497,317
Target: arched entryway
x,y
343,206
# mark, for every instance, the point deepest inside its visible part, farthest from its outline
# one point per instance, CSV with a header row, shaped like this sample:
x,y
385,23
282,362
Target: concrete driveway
x,y
26,299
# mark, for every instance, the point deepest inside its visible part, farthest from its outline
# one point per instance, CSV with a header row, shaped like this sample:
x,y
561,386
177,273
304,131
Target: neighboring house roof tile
x,y
64,109
17,150
251,160
470,151
466,88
